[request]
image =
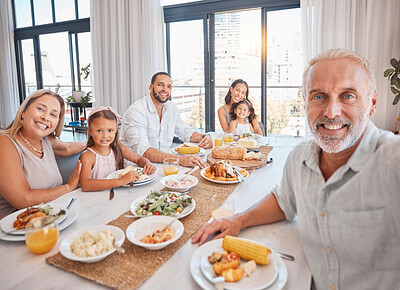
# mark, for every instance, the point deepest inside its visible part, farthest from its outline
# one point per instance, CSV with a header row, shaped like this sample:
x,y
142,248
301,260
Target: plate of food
x,y
162,203
259,269
143,178
15,223
188,149
223,172
92,244
149,233
72,215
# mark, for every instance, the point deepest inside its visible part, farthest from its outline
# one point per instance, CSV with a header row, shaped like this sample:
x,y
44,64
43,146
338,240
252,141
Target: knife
x,y
111,193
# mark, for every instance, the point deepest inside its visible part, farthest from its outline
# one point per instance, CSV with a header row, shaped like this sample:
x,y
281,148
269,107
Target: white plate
x,y
73,214
143,227
216,245
137,201
150,178
220,181
261,278
172,151
65,246
177,177
8,221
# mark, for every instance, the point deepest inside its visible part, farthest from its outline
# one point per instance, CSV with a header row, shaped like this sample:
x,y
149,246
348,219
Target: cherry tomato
x,y
156,212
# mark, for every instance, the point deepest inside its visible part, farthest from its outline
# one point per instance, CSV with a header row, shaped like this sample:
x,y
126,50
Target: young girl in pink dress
x,y
105,154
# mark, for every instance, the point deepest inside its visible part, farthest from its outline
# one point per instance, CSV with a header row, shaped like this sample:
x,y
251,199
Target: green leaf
x,y
395,64
397,83
388,72
396,99
393,80
394,91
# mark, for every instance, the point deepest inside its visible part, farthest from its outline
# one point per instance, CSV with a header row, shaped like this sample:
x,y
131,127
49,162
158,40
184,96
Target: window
x,y
255,40
52,38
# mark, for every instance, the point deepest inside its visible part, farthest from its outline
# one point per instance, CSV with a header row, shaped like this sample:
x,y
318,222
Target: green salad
x,y
163,203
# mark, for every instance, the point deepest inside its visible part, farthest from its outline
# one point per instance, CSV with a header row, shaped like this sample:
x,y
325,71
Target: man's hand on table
x,y
226,226
192,161
206,142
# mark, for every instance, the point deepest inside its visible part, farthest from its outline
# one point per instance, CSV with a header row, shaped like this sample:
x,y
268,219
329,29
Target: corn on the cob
x,y
247,250
189,150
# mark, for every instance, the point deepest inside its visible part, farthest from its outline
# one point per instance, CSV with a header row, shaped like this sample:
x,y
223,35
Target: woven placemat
x,y
130,270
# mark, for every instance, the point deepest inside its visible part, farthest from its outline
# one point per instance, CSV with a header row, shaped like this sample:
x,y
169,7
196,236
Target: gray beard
x,y
333,144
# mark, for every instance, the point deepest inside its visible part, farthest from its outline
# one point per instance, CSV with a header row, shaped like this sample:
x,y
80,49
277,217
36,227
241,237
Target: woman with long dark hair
x,y
238,91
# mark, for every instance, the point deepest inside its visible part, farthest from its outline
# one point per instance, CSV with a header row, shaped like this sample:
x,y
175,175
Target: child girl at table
x,y
239,112
105,154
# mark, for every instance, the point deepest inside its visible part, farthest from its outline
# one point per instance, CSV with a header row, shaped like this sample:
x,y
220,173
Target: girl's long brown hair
x,y
249,105
107,114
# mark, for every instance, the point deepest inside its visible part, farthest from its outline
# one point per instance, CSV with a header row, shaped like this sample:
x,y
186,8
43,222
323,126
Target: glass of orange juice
x,y
170,166
222,206
217,139
40,237
228,138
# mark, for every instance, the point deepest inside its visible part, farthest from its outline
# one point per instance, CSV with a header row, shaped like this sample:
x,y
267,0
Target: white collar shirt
x,y
141,126
350,224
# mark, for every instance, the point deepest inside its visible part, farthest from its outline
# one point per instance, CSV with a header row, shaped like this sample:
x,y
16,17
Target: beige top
x,y
41,173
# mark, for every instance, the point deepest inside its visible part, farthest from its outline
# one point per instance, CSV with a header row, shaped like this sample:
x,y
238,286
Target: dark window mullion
x,y
20,70
77,61
33,13
38,62
71,59
209,73
76,10
264,68
53,11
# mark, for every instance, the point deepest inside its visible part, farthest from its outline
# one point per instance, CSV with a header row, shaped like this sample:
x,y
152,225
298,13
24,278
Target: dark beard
x,y
157,97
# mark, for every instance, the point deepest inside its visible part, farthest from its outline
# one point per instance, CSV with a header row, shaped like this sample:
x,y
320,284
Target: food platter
x,y
216,245
138,201
247,164
73,214
8,221
202,173
65,246
147,179
172,151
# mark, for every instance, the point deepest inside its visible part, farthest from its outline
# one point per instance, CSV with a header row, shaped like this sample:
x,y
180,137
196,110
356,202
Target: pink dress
x,y
104,165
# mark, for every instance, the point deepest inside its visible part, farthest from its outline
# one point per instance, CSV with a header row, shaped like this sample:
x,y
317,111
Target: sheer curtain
x,y
9,100
128,48
368,27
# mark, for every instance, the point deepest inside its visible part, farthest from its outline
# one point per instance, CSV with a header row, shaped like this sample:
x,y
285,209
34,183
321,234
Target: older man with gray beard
x,y
343,186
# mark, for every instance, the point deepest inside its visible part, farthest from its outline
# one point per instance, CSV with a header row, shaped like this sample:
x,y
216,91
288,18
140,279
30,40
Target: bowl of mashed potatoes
x,y
92,244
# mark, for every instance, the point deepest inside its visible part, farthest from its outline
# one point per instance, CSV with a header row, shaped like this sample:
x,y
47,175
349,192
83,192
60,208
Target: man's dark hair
x,y
153,78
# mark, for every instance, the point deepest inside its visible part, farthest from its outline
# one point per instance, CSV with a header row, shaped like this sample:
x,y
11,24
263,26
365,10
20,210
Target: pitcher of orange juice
x,y
170,166
40,237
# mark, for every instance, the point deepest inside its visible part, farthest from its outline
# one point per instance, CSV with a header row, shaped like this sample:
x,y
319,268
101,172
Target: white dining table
x,y
20,268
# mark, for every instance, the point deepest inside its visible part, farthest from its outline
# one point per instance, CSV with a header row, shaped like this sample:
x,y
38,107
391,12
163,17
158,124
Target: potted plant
x,y
80,96
393,75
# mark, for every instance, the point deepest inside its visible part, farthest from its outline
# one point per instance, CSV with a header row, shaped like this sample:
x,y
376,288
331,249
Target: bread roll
x,y
228,152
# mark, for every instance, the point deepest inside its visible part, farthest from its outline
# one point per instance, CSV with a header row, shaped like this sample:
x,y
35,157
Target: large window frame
x,y
206,11
73,27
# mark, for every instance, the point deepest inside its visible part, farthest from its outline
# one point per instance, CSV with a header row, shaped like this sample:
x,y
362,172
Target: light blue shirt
x,y
350,224
141,127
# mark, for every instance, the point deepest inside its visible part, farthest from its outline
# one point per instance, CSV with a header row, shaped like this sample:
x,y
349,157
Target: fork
x,y
219,282
190,172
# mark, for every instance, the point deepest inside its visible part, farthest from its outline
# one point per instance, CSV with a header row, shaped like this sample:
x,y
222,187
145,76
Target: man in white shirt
x,y
343,186
149,125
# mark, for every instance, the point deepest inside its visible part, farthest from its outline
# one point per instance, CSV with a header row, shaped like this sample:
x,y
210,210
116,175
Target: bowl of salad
x,y
161,203
176,182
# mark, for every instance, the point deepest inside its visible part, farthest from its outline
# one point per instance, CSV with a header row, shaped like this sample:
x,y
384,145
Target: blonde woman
x,y
29,173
